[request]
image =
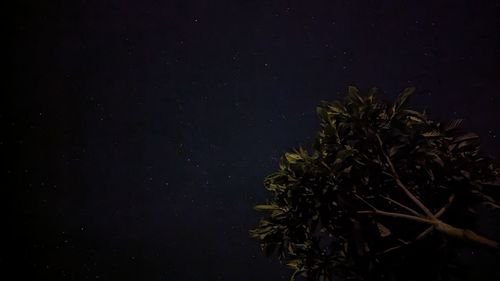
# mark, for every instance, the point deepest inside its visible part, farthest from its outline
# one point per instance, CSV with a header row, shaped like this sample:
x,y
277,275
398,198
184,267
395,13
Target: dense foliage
x,y
383,190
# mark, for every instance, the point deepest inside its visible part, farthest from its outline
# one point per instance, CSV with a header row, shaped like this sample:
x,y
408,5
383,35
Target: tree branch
x,y
397,215
445,207
428,230
366,202
402,206
432,219
424,233
400,184
449,230
465,234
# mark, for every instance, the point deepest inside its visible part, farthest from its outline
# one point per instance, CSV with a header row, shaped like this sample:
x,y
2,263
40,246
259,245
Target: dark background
x,y
141,131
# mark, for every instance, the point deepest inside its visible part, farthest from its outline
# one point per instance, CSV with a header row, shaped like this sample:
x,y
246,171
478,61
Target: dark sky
x,y
142,130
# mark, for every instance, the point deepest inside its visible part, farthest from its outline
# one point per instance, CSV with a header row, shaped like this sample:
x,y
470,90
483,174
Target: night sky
x,y
141,131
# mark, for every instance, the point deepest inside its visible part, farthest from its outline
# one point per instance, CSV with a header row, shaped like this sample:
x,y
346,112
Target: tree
x,y
383,191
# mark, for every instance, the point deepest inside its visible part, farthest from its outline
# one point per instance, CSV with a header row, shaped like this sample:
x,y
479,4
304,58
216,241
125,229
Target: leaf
x,y
282,165
415,119
383,230
347,170
296,273
264,207
321,111
344,154
293,264
455,124
465,143
371,94
465,173
432,134
337,107
466,137
439,161
393,150
383,115
436,158
292,157
353,94
415,115
402,98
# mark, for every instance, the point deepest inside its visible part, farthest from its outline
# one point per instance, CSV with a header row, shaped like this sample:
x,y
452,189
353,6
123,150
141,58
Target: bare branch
x,y
397,215
424,233
492,205
391,249
465,234
437,215
445,207
402,206
400,184
366,202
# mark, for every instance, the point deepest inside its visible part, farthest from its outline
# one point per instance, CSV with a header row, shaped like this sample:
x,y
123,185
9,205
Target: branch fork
x,y
427,217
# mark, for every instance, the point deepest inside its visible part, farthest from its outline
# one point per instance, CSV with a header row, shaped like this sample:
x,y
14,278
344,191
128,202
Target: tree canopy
x,y
383,190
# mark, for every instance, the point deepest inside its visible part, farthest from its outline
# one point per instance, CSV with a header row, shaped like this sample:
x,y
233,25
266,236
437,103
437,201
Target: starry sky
x,y
142,130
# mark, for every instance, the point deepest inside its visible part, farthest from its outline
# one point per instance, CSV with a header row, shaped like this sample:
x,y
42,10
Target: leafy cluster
x,y
340,209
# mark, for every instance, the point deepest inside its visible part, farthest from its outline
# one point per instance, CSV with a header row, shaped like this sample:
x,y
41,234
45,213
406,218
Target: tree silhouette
x,y
384,194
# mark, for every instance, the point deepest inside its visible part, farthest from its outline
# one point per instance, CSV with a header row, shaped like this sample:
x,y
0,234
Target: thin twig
x,y
491,183
397,215
424,233
390,249
405,243
402,206
445,207
366,202
492,205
